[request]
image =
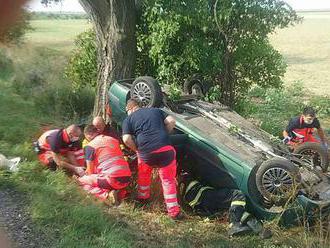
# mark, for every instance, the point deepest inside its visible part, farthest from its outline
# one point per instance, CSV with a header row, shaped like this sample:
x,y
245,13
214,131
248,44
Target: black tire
x,y
277,180
316,153
147,91
195,85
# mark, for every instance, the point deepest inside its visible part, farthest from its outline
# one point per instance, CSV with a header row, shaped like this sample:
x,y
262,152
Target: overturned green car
x,y
222,149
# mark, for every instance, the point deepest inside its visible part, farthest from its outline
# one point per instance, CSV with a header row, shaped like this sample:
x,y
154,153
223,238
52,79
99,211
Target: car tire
x,y
195,85
277,180
320,156
147,91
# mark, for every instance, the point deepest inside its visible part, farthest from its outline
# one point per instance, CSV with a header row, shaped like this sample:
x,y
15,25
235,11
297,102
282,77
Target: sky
x,y
74,6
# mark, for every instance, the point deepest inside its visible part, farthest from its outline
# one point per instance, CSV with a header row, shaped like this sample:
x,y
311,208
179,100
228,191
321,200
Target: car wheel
x,y
277,180
147,91
315,154
194,85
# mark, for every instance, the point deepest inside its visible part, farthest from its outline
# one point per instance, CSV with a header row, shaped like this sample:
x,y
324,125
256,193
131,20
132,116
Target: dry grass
x,y
306,49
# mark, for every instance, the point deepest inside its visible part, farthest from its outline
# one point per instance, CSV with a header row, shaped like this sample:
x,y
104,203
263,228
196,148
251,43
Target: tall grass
x,y
273,108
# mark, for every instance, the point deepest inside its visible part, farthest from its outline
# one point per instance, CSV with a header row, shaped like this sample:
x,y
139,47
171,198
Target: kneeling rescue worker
x,y
150,128
300,129
55,144
107,173
207,201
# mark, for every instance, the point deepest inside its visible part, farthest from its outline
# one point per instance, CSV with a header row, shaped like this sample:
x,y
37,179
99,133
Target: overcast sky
x,y
74,6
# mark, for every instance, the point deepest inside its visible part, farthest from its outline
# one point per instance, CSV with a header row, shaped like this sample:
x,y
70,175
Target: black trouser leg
x,y
237,207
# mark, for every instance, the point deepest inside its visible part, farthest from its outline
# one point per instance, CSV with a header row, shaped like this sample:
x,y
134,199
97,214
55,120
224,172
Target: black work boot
x,y
238,229
256,226
178,217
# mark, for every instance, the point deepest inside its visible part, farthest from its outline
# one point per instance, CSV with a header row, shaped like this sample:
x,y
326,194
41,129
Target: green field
x,y
306,49
58,34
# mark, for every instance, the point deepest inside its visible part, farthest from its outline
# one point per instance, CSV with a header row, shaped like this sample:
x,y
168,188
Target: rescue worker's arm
x,y
90,168
63,164
322,136
285,134
89,157
57,158
129,142
169,123
72,159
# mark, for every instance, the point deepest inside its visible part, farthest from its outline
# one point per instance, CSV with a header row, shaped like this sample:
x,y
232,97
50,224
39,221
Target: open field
x,y
306,49
58,34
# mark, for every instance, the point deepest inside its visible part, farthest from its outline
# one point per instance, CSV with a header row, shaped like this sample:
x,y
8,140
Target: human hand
x,y
286,139
80,171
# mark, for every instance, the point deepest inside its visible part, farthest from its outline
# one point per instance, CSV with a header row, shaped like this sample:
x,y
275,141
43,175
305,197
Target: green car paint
x,y
214,153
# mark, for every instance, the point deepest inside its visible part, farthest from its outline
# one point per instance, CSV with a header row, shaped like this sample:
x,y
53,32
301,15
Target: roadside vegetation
x,y
36,94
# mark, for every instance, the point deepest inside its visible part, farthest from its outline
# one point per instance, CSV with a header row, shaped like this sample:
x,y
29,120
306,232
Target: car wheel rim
x,y
277,181
142,92
197,90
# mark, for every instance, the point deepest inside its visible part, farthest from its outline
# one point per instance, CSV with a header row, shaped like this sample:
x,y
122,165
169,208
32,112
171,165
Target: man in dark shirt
x,y
150,128
56,143
300,129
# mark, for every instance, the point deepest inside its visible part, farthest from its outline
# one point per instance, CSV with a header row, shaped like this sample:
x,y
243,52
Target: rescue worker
x,y
150,128
103,128
300,129
55,144
107,172
207,201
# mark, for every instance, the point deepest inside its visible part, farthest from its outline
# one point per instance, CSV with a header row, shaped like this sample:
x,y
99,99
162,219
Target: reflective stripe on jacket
x,y
108,157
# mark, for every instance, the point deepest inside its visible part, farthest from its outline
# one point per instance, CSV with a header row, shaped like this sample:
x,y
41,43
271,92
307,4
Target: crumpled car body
x,y
222,149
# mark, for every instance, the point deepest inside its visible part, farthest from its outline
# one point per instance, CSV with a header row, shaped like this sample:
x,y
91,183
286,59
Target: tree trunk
x,y
114,22
227,82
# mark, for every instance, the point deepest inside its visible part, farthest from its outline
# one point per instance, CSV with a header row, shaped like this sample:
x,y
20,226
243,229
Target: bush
x,y
82,67
6,65
26,84
63,102
275,107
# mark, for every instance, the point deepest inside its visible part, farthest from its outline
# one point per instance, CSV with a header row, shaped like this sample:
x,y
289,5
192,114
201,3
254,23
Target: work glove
x,y
286,139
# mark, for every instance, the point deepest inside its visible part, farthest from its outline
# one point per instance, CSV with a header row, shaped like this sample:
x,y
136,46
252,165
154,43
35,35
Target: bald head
x,y
99,123
74,132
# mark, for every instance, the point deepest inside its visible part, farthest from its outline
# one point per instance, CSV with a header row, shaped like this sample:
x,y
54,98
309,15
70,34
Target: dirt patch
x,y
15,220
4,242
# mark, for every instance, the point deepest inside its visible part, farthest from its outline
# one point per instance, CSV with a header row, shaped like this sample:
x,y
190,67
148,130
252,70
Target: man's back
x,y
147,125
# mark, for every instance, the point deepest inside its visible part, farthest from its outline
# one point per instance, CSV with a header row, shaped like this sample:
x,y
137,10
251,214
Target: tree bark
x,y
114,22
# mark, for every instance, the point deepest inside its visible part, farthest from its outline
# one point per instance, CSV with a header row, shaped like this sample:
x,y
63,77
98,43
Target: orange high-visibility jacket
x,y
108,157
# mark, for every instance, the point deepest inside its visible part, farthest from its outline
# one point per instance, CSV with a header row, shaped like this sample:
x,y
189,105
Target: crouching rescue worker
x,y
150,128
53,145
300,129
107,173
207,201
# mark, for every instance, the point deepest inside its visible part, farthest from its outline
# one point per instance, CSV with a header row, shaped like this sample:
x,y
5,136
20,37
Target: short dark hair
x,y
132,103
309,111
90,130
